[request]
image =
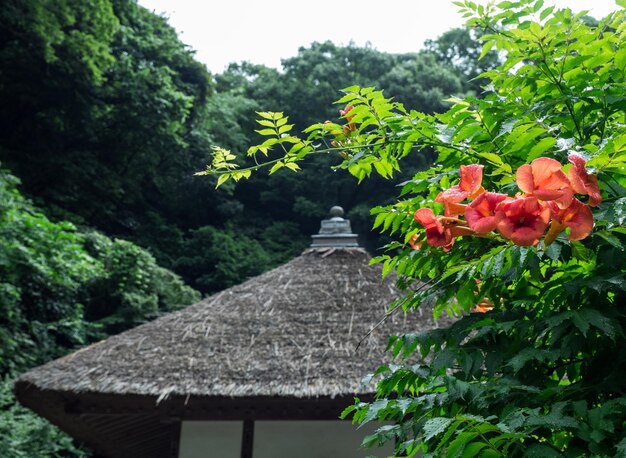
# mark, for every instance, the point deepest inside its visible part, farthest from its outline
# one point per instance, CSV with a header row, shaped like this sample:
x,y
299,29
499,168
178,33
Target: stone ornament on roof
x,y
335,232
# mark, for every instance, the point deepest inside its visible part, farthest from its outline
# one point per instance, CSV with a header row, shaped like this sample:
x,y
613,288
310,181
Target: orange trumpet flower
x,y
522,220
468,187
545,179
577,217
480,214
582,182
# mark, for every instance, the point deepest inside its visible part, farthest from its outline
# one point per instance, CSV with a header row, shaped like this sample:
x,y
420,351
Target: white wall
x,y
207,439
278,439
312,439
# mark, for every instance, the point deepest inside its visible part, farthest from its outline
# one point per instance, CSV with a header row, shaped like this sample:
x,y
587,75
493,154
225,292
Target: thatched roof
x,y
293,343
291,332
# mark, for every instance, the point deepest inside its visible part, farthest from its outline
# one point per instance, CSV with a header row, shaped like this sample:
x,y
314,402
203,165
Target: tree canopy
x,y
117,115
62,288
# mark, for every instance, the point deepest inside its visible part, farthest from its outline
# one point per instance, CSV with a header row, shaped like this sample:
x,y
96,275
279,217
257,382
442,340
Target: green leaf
x,y
284,129
598,320
384,168
459,443
610,238
380,219
486,48
266,132
279,165
435,426
389,220
222,179
581,252
374,410
580,322
620,59
541,147
348,410
546,12
292,166
493,158
527,355
616,212
473,449
554,250
267,114
353,89
388,266
555,419
265,122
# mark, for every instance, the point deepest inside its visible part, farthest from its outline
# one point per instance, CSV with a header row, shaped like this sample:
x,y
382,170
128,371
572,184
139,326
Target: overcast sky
x,y
264,32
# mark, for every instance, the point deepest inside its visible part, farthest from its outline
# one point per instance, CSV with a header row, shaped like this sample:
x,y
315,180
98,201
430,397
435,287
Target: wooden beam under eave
x,y
247,439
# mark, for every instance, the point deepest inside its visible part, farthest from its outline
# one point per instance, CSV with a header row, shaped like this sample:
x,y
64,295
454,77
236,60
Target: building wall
x,y
206,439
277,439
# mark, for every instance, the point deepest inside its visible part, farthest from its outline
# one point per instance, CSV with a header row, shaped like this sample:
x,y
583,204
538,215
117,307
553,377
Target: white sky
x,y
263,32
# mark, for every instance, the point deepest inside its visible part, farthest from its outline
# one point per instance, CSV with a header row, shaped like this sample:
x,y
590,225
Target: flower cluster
x,y
547,199
342,132
485,304
350,127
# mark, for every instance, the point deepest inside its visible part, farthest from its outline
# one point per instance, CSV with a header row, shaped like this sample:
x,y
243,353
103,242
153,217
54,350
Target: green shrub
x,y
26,435
61,288
131,287
219,258
43,267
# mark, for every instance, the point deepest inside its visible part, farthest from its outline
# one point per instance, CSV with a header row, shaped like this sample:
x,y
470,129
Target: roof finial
x,y
336,211
335,232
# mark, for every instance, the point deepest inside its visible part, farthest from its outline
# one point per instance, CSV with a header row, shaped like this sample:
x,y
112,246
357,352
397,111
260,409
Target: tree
x,y
108,103
61,288
117,114
304,89
518,226
461,49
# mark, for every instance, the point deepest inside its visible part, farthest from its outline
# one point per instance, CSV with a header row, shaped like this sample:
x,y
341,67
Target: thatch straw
x,y
291,332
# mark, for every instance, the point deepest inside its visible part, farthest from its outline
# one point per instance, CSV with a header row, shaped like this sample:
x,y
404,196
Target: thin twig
x,y
387,315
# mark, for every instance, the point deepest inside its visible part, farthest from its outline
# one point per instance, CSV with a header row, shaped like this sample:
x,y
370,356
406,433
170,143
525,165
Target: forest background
x,y
105,116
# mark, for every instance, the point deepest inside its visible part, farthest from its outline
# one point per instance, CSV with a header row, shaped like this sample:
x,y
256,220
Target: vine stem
x,y
259,166
557,82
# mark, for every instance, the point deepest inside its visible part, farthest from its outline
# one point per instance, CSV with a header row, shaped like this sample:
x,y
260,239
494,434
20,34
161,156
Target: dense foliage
x,y
518,226
106,115
26,435
117,114
305,89
112,143
61,288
